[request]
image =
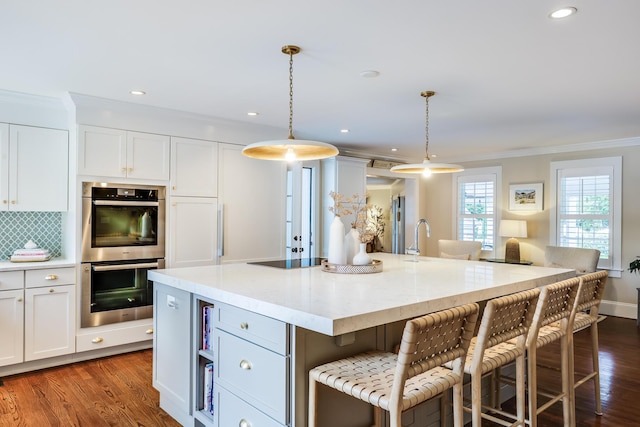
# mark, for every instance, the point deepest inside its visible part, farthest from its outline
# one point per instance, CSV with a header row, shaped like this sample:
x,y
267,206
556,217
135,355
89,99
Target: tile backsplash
x,y
17,228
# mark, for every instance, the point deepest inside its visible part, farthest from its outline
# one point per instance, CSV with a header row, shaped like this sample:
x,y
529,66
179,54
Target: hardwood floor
x,y
117,391
114,391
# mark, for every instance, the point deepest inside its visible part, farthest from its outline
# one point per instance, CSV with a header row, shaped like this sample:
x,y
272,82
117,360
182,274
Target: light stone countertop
x,y
335,304
36,265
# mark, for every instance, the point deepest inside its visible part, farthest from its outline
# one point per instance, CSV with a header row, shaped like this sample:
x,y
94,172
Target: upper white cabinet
x,y
193,232
34,168
194,167
252,194
122,154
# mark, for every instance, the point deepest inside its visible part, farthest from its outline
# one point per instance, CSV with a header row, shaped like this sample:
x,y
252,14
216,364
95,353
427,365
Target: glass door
x,y
302,204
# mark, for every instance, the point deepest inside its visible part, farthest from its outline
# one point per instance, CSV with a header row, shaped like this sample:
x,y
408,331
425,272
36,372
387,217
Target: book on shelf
x,y
207,327
208,389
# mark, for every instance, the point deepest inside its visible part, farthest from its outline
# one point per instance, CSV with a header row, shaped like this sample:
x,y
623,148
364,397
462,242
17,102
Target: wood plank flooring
x,y
117,391
113,391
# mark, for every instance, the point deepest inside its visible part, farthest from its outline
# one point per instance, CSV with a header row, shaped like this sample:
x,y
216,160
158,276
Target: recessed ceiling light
x,y
369,73
137,92
563,13
344,131
394,149
252,113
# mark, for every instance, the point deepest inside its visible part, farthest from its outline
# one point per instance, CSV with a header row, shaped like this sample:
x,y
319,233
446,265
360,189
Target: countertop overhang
x,y
335,304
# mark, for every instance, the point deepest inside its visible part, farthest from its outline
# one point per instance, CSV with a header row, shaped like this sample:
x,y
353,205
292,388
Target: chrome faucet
x,y
415,249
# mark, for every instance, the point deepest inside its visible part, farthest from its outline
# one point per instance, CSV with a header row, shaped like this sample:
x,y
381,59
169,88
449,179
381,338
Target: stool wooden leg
x,y
567,407
532,386
520,391
476,399
313,399
596,366
458,413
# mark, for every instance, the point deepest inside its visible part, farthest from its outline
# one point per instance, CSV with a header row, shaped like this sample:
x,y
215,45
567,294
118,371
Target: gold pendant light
x,y
290,149
427,167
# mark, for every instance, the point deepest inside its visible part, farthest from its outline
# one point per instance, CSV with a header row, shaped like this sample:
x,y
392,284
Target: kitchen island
x,y
295,319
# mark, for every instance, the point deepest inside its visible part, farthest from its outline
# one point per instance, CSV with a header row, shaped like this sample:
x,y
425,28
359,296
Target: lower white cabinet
x,y
219,365
171,365
37,314
193,236
49,321
12,330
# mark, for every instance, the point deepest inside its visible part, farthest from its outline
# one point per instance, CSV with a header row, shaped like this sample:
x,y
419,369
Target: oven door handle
x,y
124,266
123,203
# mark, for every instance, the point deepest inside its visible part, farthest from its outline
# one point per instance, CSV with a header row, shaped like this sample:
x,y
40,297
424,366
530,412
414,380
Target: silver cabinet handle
x,y
244,326
244,423
245,364
220,230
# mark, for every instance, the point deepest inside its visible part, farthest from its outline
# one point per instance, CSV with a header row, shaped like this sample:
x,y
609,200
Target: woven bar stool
x,y
397,382
501,340
553,321
589,300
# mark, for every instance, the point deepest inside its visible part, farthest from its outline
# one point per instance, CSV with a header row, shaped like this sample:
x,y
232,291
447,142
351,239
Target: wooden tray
x,y
374,267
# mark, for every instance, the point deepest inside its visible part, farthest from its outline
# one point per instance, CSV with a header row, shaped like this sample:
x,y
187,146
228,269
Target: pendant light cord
x,y
291,95
426,95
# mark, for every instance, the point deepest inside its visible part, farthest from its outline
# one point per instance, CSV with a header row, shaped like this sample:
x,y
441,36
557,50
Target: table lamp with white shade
x,y
513,229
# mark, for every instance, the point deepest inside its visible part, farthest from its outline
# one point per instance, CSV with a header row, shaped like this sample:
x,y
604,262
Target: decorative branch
x,y
339,208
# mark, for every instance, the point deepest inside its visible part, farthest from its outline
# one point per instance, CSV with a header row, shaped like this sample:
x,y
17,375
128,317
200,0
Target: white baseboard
x,y
619,309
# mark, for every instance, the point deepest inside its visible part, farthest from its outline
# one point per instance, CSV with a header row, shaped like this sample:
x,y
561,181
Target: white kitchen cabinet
x,y
193,231
37,314
194,167
49,313
49,320
34,168
171,366
253,197
123,154
11,317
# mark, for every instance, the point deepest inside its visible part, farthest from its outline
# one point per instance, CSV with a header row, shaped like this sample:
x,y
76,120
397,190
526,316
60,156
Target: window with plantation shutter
x,y
587,207
477,206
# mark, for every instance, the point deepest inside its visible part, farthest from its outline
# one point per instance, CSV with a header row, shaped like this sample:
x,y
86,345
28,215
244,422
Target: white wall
x,y
621,294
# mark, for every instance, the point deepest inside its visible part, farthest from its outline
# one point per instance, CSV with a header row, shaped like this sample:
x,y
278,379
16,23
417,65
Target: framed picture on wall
x,y
525,197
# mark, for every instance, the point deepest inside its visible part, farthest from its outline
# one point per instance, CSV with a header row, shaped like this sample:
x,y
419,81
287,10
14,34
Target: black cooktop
x,y
290,263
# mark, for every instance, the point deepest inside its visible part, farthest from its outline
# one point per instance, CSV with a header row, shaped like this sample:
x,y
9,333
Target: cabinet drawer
x,y
50,277
265,331
102,338
11,280
232,411
253,373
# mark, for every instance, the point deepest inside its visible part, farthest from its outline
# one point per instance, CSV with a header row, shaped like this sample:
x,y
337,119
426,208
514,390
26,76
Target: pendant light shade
x,y
290,149
427,167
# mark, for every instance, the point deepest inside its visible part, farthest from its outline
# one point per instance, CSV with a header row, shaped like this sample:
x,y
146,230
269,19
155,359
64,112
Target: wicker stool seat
x,y
397,382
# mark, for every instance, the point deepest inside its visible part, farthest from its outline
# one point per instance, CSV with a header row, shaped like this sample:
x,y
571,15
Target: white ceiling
x,y
506,76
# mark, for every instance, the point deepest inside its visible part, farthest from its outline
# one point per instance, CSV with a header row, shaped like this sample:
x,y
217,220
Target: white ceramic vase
x,y
351,244
336,253
362,257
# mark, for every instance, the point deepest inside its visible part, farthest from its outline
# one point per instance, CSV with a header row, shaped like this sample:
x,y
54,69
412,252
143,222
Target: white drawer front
x,y
50,277
11,280
262,330
255,374
232,411
102,338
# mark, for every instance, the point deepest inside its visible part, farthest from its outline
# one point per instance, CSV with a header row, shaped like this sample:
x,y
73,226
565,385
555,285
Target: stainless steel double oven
x,y
123,237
